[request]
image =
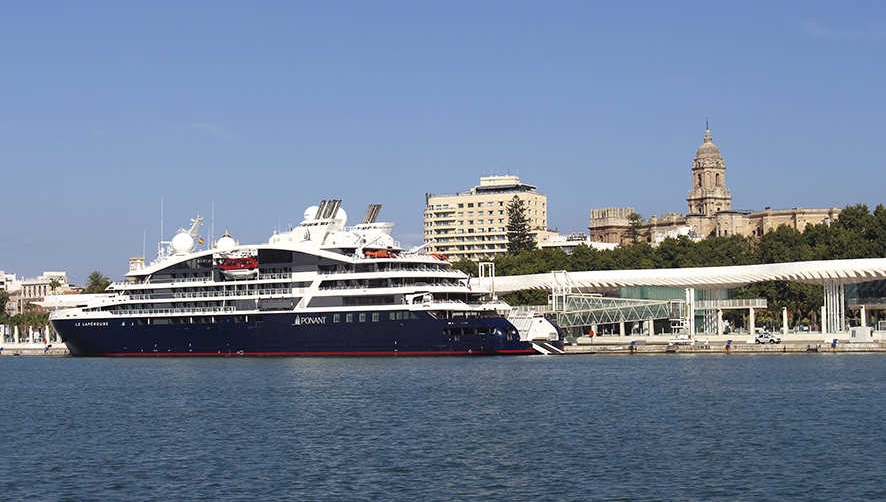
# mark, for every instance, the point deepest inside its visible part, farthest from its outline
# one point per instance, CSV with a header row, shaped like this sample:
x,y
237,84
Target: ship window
x,y
362,317
375,317
392,316
349,317
336,317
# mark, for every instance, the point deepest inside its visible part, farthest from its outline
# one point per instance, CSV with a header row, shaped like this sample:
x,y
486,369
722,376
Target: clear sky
x,y
260,109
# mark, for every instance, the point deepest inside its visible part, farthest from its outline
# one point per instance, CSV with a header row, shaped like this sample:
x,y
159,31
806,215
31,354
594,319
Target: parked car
x,y
767,337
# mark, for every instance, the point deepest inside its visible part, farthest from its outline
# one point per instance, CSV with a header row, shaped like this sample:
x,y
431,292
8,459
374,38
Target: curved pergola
x,y
811,272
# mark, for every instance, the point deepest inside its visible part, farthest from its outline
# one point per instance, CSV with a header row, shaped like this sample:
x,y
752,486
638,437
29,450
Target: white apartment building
x,y
473,225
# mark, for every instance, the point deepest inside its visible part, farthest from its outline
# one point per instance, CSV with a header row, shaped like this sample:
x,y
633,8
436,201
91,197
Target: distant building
x,y
25,294
12,286
568,243
710,210
473,225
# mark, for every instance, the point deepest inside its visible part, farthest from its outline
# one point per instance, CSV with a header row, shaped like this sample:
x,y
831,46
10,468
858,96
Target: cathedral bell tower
x,y
709,194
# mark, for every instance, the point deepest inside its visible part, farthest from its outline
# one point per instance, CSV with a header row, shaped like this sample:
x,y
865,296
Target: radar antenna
x,y
194,231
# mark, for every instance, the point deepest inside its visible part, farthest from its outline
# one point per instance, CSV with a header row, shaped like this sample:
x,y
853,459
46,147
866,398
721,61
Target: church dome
x,y
708,148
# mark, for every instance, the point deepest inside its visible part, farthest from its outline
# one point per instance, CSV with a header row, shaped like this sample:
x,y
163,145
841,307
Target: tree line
x,y
31,317
857,233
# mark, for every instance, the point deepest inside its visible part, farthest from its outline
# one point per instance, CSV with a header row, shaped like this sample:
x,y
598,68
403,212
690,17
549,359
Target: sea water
x,y
578,427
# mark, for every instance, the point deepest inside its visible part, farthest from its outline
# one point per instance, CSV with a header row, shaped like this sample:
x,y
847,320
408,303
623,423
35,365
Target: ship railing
x,y
195,310
168,282
179,280
219,293
399,267
443,303
276,275
419,285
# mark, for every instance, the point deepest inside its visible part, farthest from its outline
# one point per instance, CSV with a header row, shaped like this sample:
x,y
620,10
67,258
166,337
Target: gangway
x,y
547,348
579,310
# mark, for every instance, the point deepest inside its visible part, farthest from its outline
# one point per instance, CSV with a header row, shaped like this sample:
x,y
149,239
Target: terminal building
x,y
473,225
710,212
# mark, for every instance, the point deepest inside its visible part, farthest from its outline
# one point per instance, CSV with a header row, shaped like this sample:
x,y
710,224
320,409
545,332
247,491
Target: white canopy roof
x,y
811,272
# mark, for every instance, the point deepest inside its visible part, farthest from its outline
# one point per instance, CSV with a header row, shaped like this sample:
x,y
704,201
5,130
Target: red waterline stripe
x,y
337,353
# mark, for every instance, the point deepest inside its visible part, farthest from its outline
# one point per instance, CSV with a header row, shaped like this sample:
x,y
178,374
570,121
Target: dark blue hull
x,y
291,334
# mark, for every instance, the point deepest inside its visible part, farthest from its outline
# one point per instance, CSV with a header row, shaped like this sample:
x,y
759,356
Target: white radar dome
x,y
225,243
182,243
341,217
311,212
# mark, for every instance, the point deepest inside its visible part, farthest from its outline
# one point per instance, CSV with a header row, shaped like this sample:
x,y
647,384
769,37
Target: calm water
x,y
800,427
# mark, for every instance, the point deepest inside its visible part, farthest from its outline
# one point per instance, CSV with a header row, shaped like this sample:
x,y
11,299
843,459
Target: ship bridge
x,y
568,288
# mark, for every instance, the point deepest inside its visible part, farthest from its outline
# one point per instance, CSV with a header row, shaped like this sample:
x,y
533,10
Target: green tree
x,y
526,297
4,299
467,266
96,282
784,244
634,222
724,251
54,284
639,255
584,258
878,235
676,253
519,238
859,233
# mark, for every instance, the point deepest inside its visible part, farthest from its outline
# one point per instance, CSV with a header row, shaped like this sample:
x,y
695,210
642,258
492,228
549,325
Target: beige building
x,y
473,225
26,293
710,210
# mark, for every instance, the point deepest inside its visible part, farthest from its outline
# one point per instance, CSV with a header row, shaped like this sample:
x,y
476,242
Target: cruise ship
x,y
321,288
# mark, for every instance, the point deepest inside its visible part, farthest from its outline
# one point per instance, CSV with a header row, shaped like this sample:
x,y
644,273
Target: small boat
x,y
239,268
379,253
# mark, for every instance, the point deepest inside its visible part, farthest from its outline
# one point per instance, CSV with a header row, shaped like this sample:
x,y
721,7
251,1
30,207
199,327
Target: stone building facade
x,y
710,212
26,294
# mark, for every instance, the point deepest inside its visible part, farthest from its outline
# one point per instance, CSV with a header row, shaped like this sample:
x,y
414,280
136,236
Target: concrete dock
x,y
33,349
723,344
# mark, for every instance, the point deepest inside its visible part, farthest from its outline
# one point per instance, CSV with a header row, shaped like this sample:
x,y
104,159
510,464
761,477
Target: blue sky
x,y
260,109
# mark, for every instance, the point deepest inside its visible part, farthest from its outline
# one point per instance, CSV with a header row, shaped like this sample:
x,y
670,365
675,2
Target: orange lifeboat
x,y
379,253
239,268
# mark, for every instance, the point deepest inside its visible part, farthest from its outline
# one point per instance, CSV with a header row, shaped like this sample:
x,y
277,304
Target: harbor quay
x,y
33,349
724,344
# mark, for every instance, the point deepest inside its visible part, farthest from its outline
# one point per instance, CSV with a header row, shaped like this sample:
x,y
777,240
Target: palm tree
x,y
54,284
97,282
